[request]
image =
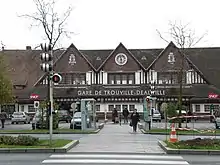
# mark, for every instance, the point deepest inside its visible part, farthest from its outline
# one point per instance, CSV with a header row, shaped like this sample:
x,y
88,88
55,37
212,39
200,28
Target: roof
x,y
24,65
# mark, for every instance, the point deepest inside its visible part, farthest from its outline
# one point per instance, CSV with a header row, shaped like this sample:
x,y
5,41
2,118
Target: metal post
x,y
94,113
35,123
151,115
73,118
51,101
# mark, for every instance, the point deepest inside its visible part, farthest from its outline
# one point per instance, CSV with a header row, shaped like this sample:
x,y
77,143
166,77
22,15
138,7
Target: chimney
x,y
28,47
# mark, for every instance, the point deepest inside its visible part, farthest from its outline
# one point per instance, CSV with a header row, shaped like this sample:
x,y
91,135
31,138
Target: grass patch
x,y
47,131
184,132
42,144
198,143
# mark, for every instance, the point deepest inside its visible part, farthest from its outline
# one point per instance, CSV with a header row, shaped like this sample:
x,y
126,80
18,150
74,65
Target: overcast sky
x,y
103,24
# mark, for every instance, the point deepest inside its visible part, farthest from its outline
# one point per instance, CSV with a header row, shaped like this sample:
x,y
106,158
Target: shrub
x,y
20,140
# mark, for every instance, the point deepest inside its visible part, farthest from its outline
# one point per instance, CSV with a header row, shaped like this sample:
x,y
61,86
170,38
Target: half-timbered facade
x,y
119,78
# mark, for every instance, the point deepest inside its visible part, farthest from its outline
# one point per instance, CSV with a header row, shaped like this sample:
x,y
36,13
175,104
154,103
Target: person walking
x,y
3,117
135,118
125,114
114,115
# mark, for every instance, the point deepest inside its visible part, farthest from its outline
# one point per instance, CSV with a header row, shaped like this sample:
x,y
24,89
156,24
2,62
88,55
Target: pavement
x,y
114,144
64,125
194,125
116,138
106,159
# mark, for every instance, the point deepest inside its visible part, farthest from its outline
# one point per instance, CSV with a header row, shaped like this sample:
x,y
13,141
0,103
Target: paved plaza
x,y
116,138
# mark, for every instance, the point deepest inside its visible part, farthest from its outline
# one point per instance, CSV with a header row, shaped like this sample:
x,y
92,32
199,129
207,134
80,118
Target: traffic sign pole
x,y
36,107
51,101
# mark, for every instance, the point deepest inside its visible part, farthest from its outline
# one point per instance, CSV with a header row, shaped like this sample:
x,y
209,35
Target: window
x,y
131,107
124,106
124,79
97,108
110,107
168,77
118,107
111,79
207,108
31,108
215,108
171,58
73,78
131,79
118,79
115,78
197,108
22,108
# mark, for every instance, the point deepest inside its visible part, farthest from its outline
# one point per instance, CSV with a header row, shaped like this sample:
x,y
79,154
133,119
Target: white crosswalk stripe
x,y
115,159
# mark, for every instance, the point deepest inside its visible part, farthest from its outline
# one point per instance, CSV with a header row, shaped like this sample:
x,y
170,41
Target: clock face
x,y
121,59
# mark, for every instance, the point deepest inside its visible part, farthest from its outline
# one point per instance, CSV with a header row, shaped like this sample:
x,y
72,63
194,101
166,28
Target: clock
x,y
121,59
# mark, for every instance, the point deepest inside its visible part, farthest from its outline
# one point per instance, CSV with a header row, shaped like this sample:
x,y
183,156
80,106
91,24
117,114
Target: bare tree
x,y
183,37
53,23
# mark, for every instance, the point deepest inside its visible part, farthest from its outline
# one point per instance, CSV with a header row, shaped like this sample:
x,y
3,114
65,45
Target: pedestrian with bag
x,y
135,118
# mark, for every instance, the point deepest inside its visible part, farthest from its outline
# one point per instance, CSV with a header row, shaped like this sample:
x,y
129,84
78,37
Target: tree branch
x,y
52,23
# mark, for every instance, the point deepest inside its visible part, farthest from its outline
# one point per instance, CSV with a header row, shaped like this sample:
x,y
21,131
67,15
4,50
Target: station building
x,y
118,78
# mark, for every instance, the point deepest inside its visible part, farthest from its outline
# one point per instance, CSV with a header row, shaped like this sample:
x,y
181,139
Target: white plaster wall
x,y
25,107
88,77
105,78
137,77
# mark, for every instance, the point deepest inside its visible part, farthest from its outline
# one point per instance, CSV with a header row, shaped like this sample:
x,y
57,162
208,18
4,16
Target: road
x,y
106,158
118,140
197,125
22,126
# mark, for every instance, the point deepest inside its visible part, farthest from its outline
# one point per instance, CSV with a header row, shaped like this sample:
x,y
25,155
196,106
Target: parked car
x,y
217,122
77,120
18,117
38,124
156,115
64,115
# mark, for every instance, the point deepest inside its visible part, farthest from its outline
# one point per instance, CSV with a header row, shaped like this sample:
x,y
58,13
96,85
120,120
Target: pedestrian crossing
x,y
133,159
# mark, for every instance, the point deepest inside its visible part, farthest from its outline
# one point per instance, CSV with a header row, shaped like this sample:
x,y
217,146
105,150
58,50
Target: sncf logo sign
x,y
34,96
213,96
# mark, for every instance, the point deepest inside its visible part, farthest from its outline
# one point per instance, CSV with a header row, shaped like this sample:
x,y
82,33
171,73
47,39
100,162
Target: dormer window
x,y
171,58
98,58
72,59
143,58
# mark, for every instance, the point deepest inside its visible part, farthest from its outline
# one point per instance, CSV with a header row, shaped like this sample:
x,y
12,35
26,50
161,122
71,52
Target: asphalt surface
x,y
118,140
107,159
22,126
195,125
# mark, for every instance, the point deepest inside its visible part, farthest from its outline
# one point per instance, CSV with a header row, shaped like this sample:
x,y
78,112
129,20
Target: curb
x,y
182,134
187,151
100,126
35,133
41,150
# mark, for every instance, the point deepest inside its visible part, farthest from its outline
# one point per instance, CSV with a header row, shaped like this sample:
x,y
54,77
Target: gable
x,y
207,61
170,60
72,61
121,60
